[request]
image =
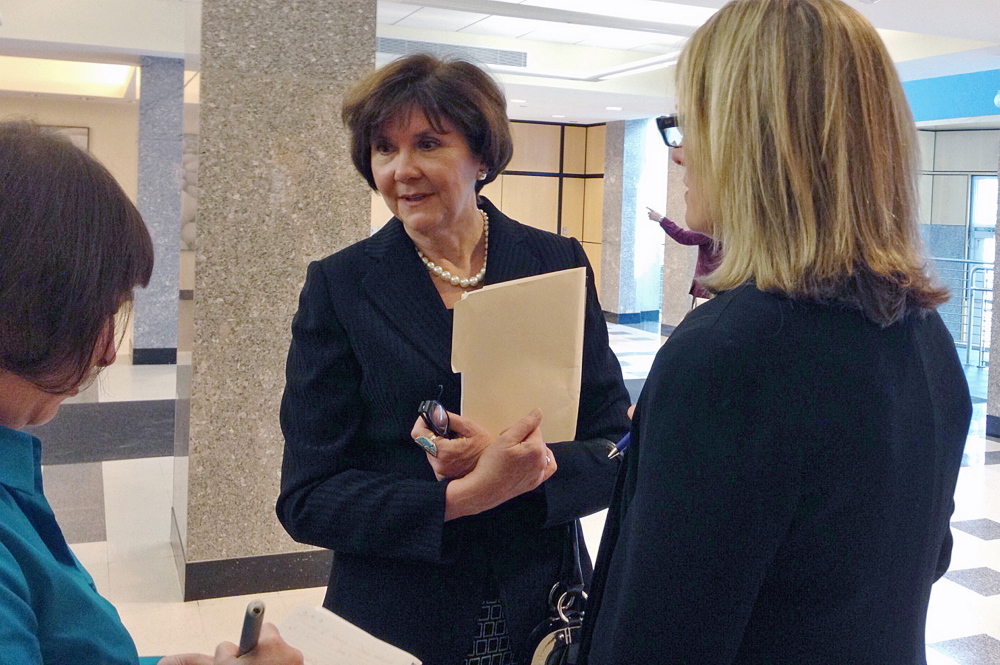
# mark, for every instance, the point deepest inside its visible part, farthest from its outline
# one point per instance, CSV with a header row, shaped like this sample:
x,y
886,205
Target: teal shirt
x,y
50,611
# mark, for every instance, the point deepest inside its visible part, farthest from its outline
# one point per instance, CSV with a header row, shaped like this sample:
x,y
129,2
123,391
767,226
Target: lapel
x,y
399,286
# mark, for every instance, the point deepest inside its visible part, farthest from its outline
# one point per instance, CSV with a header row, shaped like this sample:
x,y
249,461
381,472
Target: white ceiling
x,y
582,56
926,37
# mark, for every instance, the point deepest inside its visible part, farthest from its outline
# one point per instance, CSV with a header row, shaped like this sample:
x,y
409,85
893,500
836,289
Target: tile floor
x,y
116,515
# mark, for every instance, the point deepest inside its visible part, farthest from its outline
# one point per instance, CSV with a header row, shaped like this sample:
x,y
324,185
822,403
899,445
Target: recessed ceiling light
x,y
518,101
612,108
558,116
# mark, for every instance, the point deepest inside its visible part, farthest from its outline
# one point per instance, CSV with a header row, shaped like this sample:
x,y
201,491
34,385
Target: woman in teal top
x,y
72,249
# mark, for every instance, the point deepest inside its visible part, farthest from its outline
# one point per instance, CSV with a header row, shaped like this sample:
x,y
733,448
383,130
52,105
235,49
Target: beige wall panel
x,y
380,212
593,209
575,150
950,204
114,128
595,149
572,207
925,140
536,147
593,252
925,186
494,192
977,150
532,200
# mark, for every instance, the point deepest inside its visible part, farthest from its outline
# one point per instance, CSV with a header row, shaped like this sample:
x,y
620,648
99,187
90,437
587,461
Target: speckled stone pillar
x,y
158,197
678,260
993,378
277,190
631,245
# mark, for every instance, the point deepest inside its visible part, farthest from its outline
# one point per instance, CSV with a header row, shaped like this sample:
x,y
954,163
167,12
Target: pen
x,y
251,627
620,446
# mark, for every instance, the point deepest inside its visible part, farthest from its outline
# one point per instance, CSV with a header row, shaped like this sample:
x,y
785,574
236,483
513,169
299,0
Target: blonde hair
x,y
797,130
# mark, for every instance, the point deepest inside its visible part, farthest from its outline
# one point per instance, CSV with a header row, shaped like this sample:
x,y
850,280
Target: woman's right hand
x,y
271,650
654,215
518,461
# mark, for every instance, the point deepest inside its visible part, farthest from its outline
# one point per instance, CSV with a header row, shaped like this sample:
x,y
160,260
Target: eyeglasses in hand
x,y
435,416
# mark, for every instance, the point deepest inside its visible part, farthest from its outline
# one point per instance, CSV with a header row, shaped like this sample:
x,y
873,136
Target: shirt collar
x,y
20,456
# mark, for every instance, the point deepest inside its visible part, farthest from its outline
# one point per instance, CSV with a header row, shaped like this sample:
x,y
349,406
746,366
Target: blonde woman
x,y
796,446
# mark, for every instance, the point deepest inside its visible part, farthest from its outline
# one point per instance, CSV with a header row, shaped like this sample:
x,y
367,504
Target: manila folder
x,y
519,345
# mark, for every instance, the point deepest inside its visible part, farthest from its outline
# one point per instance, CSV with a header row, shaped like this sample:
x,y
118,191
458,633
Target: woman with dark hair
x,y
450,553
72,249
796,446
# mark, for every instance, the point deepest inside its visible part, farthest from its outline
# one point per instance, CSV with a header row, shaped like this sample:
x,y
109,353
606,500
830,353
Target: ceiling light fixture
x,y
612,108
517,101
558,116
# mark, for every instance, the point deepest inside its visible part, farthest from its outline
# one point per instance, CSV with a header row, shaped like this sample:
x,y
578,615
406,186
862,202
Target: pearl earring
x,y
481,175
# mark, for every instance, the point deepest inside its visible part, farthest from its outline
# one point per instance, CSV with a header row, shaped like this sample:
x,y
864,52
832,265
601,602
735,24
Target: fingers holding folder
x,y
516,462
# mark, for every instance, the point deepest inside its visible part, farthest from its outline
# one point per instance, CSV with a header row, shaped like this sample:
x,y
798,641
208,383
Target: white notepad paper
x,y
326,639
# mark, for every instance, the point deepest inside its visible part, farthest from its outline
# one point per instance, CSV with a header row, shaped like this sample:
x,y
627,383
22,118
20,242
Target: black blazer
x,y
372,339
787,494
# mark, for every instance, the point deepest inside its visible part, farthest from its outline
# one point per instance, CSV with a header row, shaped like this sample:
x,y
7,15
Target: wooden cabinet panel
x,y
595,150
575,150
536,147
572,207
532,200
593,209
494,192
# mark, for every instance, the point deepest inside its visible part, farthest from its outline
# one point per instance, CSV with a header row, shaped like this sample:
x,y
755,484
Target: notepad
x,y
327,639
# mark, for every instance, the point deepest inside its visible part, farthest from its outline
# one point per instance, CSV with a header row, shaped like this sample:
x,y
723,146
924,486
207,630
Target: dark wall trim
x,y
666,330
187,294
992,425
154,356
626,318
547,174
561,124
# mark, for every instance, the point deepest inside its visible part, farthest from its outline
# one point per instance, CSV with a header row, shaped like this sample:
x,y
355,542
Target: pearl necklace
x,y
455,280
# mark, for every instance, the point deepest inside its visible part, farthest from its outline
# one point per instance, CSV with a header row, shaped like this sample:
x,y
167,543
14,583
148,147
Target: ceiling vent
x,y
474,54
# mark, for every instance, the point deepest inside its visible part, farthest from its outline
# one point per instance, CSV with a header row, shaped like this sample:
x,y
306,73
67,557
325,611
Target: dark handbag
x,y
556,641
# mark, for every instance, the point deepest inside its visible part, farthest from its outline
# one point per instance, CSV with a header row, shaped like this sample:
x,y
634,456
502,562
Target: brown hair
x,y
452,90
797,127
72,248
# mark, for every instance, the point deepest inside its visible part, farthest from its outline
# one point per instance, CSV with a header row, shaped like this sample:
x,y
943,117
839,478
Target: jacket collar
x,y
400,286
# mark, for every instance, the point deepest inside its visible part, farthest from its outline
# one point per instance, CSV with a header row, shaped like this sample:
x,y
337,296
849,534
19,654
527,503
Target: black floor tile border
x,y
259,574
104,431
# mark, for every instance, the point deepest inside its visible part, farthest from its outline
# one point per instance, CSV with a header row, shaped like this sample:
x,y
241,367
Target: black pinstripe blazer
x,y
370,340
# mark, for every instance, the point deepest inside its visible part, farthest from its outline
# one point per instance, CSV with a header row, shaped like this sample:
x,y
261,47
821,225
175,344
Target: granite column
x,y
277,190
158,197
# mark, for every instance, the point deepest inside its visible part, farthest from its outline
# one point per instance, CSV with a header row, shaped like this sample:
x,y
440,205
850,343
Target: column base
x,y
154,356
257,574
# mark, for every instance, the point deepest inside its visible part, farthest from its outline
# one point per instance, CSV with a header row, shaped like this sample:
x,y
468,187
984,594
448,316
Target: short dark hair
x,y
452,90
72,249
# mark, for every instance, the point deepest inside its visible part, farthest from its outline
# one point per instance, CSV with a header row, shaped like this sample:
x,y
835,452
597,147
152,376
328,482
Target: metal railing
x,y
969,313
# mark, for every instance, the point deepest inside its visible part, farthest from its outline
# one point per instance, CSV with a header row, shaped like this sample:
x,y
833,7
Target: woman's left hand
x,y
457,456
